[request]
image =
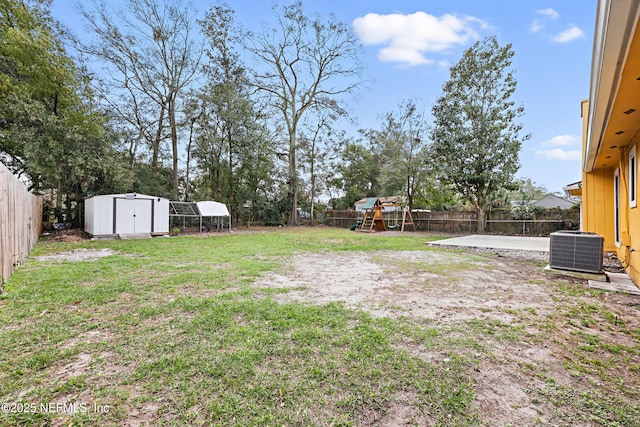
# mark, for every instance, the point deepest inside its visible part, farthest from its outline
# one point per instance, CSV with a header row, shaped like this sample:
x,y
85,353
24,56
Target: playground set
x,y
379,216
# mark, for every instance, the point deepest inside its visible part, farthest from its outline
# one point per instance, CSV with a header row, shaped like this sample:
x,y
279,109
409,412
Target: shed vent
x,y
576,251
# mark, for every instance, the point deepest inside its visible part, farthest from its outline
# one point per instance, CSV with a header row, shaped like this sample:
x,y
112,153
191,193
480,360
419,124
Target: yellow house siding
x,y
599,214
611,133
628,251
597,205
631,255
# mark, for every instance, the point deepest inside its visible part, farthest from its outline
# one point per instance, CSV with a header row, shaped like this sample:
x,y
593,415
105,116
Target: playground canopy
x,y
389,204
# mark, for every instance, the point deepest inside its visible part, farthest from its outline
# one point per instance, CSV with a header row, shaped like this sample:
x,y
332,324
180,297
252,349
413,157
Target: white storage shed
x,y
113,215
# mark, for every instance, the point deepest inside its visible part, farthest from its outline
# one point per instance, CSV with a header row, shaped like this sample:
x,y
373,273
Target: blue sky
x,y
410,45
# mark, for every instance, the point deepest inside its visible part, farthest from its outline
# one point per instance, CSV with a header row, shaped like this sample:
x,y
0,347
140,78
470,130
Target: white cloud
x,y
566,36
561,140
559,154
536,26
550,13
409,38
444,65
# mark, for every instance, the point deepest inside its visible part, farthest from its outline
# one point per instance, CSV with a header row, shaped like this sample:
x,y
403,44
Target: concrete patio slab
x,y
618,282
599,277
538,244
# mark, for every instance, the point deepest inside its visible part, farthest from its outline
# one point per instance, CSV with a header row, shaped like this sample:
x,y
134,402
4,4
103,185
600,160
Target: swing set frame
x,y
374,218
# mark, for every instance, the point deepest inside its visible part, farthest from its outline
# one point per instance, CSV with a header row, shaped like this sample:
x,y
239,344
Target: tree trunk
x,y
293,180
482,219
230,184
67,208
313,200
174,145
313,182
187,194
157,140
59,196
409,194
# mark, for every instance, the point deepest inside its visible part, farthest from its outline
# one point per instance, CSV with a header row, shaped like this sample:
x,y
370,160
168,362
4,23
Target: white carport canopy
x,y
206,209
215,209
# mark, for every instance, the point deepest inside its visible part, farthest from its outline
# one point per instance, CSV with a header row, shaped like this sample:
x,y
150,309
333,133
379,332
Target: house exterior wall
x,y
597,205
599,213
630,215
611,125
597,195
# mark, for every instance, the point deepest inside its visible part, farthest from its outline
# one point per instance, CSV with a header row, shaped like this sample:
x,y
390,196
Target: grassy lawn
x,y
175,332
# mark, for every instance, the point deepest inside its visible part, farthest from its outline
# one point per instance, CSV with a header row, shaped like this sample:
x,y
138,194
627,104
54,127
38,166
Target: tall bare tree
x,y
151,54
304,63
318,143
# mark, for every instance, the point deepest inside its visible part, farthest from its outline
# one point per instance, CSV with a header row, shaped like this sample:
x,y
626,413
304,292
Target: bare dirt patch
x,y
90,337
421,284
518,380
66,235
77,255
80,366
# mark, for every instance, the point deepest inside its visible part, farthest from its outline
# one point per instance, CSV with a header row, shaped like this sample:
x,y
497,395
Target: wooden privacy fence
x,y
20,222
498,222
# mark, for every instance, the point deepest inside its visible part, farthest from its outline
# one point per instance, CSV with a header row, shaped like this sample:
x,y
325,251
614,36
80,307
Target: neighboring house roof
x,y
573,191
383,200
390,199
552,201
389,204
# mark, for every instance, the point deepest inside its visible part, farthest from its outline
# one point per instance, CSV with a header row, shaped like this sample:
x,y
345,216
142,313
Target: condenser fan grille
x,y
576,251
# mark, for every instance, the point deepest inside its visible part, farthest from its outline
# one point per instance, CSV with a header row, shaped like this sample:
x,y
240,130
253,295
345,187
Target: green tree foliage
x,y
359,174
402,148
476,142
37,79
435,195
230,144
394,161
527,192
304,64
49,129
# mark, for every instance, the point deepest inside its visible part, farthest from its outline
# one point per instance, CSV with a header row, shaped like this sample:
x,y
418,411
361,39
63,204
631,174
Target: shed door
x,y
133,216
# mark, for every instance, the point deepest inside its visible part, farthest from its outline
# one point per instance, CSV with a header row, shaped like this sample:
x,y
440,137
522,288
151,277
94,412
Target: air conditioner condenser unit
x,y
576,251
